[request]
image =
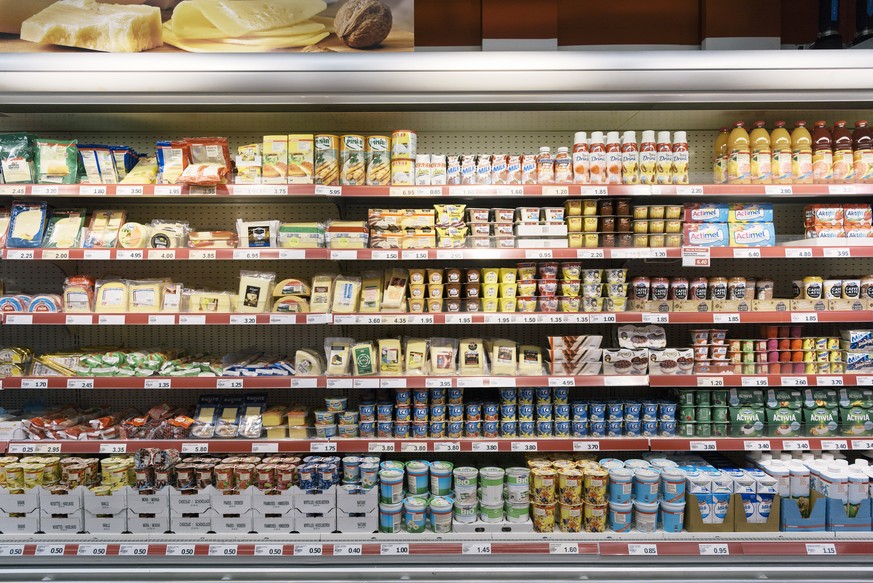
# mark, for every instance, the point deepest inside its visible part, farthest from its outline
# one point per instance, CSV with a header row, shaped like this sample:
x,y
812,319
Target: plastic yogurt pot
x,y
336,404
390,517
673,485
517,512
672,516
620,486
392,465
417,477
441,478
441,510
415,514
646,484
645,516
391,486
491,512
465,476
466,512
369,475
620,516
491,485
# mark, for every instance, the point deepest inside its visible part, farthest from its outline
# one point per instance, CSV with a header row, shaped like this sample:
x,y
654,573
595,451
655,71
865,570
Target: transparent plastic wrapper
x,y
27,224
390,356
16,158
4,226
338,356
64,229
251,422
346,294
145,172
111,295
255,291
212,239
57,161
301,235
364,359
415,352
504,357
322,293
168,234
308,363
472,357
228,417
257,234
206,417
103,229
196,301
443,356
172,159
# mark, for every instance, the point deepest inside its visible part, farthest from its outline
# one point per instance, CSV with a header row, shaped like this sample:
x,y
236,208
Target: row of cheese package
x,y
125,363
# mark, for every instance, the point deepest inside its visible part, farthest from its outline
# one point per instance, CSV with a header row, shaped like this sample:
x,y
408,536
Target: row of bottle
x,y
614,161
827,156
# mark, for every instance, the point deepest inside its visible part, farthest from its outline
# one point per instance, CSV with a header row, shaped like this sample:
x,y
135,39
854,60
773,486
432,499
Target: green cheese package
x,y
57,161
16,158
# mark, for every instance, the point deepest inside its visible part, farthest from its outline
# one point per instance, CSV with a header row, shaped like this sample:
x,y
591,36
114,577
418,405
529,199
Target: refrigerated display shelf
x,y
454,318
761,380
560,190
704,444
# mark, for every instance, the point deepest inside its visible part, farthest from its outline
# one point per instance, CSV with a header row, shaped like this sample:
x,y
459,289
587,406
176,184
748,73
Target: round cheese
x,y
134,236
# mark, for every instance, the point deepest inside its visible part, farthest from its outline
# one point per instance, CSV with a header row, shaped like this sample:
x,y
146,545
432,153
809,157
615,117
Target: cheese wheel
x,y
134,236
292,287
291,305
307,363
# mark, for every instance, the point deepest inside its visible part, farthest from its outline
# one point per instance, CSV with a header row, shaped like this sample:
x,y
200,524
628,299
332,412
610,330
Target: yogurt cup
x,y
543,517
646,485
324,417
543,485
645,516
491,512
441,478
417,477
491,485
570,486
415,514
441,510
369,475
594,486
620,486
465,512
672,516
673,485
595,517
391,486
391,517
621,516
517,512
336,404
570,517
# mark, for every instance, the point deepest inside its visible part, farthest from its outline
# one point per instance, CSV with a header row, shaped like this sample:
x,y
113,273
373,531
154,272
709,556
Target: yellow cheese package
x,y
274,416
322,293
390,356
280,432
64,229
503,357
415,350
145,296
364,359
292,287
257,234
111,296
471,356
443,356
530,360
308,363
275,156
248,164
145,172
395,289
346,293
255,291
104,227
172,296
57,161
78,294
338,353
134,236
300,158
371,292
291,305
206,301
27,224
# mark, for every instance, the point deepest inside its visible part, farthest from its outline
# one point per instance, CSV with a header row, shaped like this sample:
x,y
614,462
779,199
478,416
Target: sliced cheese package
x,y
4,226
78,294
19,303
395,289
172,297
338,353
145,172
530,360
254,291
322,293
145,296
57,161
257,234
364,359
308,363
27,224
206,301
301,235
443,356
346,293
503,357
390,356
371,292
104,227
111,296
471,354
415,356
64,229
16,157
291,305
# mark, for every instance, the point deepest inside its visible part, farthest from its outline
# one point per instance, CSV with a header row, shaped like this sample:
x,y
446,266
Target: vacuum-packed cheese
x,y
111,296
292,287
347,291
308,363
322,292
416,356
390,356
145,296
503,357
291,305
472,356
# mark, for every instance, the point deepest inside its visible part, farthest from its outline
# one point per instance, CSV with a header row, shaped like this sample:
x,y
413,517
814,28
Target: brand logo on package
x,y
751,235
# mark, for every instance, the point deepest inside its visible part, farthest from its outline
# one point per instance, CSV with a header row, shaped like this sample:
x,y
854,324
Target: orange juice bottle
x,y
761,155
844,162
613,158
740,161
597,159
780,144
801,154
822,153
862,141
720,157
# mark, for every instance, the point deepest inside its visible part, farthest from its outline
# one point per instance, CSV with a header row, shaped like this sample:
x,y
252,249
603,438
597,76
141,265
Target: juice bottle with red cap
x,y
780,145
822,154
801,154
844,162
740,161
761,155
862,142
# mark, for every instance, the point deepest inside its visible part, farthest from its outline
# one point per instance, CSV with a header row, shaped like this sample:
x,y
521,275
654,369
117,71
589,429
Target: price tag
x,y
50,550
392,383
318,318
246,254
162,254
158,384
202,191
189,320
91,551
778,189
756,445
602,318
754,381
795,444
509,190
129,254
415,319
56,254
864,381
683,189
459,319
862,444
44,189
269,550
304,383
726,318
343,255
241,319
343,319
19,319
594,190
106,320
485,446
837,252
92,190
348,550
202,254
590,254
841,189
498,319
720,550
161,320
21,448
9,189
476,548
449,254
794,382
127,190
229,384
656,318
292,254
821,549
322,447
562,382
538,254
416,254
47,448
804,317
703,381
463,191
34,383
747,253
438,383
394,549
563,548
556,190
20,254
377,320
586,446
524,446
180,550
11,550
380,447
97,254
471,382
339,383
324,190
385,255
447,446
644,550
552,318
365,383
413,447
195,448
703,446
404,191
113,448
283,319
797,252
168,190
829,381
268,447
839,445
696,257
223,550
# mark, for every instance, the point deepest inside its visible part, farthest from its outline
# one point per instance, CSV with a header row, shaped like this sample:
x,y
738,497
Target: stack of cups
x,y
517,494
491,494
391,497
466,497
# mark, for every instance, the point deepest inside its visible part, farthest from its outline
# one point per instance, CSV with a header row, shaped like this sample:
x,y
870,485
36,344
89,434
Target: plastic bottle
x,y
801,154
680,158
762,158
720,157
597,159
822,154
563,166
630,158
581,159
844,161
613,158
740,161
664,161
648,158
862,144
780,145
545,166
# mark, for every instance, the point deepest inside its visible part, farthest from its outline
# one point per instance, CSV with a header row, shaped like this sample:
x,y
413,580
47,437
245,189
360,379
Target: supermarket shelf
x,y
318,382
761,380
537,190
462,318
703,444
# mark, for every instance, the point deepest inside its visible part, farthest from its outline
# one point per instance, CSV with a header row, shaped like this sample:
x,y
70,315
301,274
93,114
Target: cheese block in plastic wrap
x,y
274,416
346,293
503,357
471,353
78,294
111,296
145,296
416,356
291,305
395,289
308,363
292,287
322,293
530,360
206,301
254,291
390,356
371,292
443,356
338,352
49,303
364,359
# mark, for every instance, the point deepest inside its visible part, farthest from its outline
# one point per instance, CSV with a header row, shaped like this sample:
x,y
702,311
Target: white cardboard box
x,y
115,524
232,504
280,503
147,523
196,503
12,431
115,503
314,501
19,503
27,524
357,522
157,503
311,523
357,501
492,527
71,523
200,525
281,524
70,503
222,524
